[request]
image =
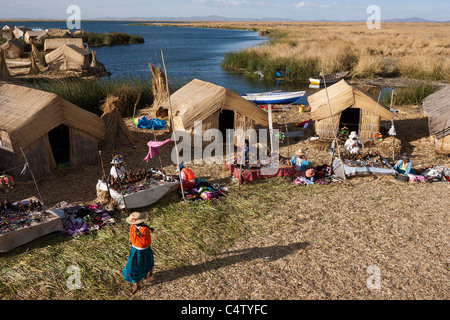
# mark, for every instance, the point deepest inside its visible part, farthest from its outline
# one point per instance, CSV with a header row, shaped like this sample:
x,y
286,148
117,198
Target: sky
x,y
282,9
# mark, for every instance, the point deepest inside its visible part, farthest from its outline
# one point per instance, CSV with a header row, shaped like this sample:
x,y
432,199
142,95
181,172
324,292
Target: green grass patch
x,y
248,61
110,39
184,233
412,95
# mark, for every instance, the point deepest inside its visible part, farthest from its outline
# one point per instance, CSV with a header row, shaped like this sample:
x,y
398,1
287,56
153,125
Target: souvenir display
x,y
132,182
15,216
365,159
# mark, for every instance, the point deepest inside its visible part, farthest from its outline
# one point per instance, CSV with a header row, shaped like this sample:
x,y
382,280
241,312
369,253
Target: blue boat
x,y
274,97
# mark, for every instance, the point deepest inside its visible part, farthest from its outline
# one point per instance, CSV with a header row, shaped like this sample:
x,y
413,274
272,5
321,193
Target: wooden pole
x,y
334,128
104,174
373,121
171,125
32,175
393,137
121,190
137,102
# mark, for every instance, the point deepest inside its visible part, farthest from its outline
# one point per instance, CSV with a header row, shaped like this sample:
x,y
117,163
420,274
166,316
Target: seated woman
x,y
299,162
404,165
117,169
188,178
353,144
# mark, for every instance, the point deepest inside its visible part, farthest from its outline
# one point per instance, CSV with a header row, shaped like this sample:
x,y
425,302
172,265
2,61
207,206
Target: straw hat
x,y
300,152
135,218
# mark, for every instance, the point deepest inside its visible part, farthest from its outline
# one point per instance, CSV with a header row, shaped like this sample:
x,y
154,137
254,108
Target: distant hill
x,y
220,18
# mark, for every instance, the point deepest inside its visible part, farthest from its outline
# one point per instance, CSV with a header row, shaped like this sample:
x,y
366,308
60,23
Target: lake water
x,y
188,53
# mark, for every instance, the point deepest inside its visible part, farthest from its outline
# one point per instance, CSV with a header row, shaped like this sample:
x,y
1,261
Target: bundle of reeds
x,y
159,86
116,130
4,72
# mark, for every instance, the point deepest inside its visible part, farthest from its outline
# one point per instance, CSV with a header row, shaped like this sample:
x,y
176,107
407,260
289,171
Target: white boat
x,y
329,78
274,97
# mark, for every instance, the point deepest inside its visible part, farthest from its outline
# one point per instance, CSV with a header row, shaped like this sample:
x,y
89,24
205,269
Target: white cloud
x,y
304,4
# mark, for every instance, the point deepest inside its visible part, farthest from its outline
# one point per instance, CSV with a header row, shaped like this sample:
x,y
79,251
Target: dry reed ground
x,y
312,242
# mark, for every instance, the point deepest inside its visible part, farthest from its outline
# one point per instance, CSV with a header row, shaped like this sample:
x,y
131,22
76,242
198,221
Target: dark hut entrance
x,y
226,121
350,118
59,139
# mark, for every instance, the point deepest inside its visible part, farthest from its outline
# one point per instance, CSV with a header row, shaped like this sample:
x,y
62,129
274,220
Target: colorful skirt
x,y
139,263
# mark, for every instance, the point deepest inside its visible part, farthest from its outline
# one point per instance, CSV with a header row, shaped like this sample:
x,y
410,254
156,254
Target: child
x,y
140,259
299,161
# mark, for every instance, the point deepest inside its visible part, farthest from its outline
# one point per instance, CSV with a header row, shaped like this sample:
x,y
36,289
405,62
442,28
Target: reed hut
x,y
32,36
437,108
49,130
216,106
68,57
351,107
51,44
13,49
19,32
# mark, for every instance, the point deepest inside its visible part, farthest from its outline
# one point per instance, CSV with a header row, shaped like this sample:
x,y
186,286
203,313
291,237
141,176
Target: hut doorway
x,y
226,121
59,139
350,118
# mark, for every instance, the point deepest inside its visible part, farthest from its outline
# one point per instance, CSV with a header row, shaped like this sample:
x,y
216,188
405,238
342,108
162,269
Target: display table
x,y
257,174
356,171
140,198
23,235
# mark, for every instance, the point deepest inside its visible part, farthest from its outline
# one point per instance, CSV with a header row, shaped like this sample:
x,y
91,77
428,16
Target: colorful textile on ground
x,y
132,182
153,148
17,215
203,190
150,123
437,173
139,263
79,220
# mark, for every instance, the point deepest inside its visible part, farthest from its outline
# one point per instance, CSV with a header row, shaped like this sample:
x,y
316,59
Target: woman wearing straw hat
x,y
140,259
117,169
299,161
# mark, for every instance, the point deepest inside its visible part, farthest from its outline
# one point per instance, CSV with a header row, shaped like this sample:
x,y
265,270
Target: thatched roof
x,y
343,95
58,58
437,107
198,100
54,43
27,114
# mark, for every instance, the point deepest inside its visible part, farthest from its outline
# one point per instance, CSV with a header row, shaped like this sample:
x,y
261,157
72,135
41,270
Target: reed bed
x,y
110,39
411,50
90,94
411,95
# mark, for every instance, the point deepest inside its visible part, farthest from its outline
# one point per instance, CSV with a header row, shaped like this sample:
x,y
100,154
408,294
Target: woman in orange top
x,y
140,259
187,177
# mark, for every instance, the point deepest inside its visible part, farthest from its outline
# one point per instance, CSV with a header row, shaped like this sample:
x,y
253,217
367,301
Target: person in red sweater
x,y
187,177
140,259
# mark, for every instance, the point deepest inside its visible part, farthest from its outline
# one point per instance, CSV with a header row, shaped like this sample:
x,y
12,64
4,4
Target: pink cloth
x,y
153,148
